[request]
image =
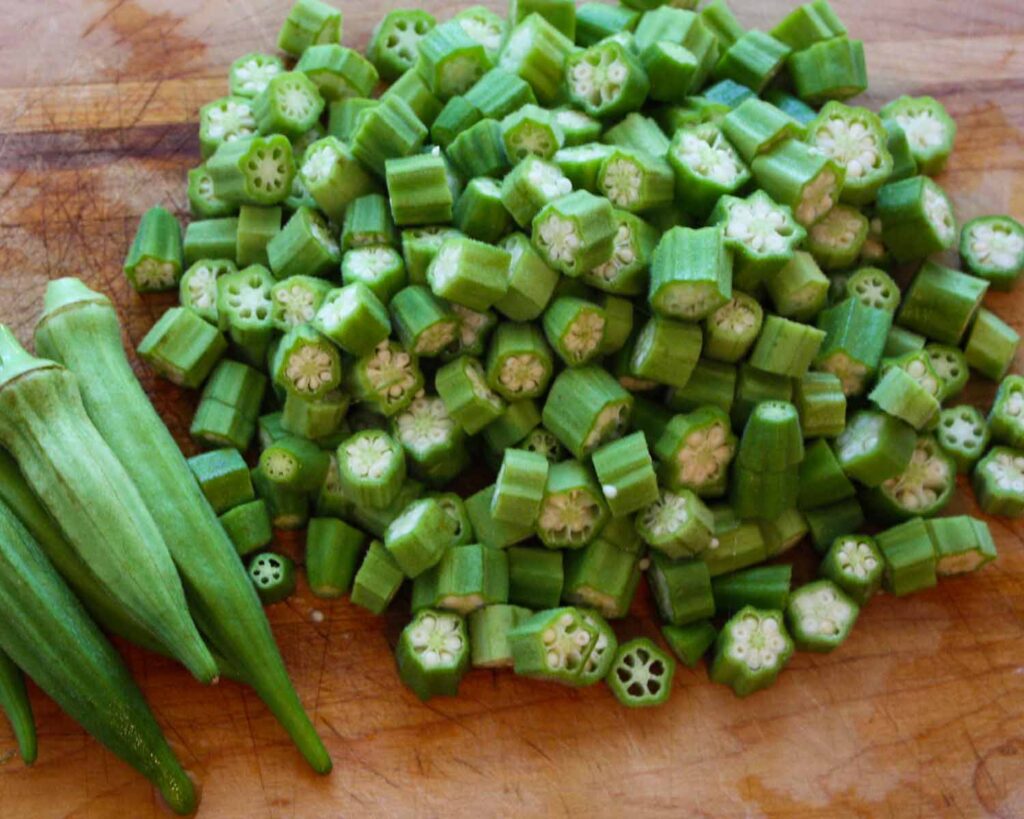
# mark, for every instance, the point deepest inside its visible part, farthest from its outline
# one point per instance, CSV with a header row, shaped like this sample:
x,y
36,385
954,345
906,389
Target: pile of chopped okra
x,y
640,262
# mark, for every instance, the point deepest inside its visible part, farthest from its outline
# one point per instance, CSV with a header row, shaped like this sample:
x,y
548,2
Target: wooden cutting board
x,y
920,713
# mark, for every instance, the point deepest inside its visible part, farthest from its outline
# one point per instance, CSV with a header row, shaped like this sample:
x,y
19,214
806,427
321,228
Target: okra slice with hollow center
x,y
575,233
706,167
820,616
602,657
875,288
678,523
485,27
998,482
632,247
273,575
425,426
854,563
993,247
761,225
250,73
924,487
930,130
575,328
389,378
371,468
543,443
531,131
573,510
296,300
199,286
606,79
752,648
307,363
635,181
394,44
225,120
641,674
553,645
963,434
433,653
695,450
856,140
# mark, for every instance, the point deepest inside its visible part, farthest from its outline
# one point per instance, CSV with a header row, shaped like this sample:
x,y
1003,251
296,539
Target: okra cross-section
x,y
273,575
706,167
333,177
433,653
290,104
225,120
575,328
941,302
820,616
962,544
450,60
371,468
678,523
854,564
531,131
635,180
573,509
469,273
387,378
607,80
306,363
625,272
1006,419
155,258
998,482
797,176
923,488
695,451
752,648
585,408
930,130
910,557
305,246
641,674
394,44
855,338
433,442
553,645
964,435
575,233
857,141
519,362
691,273
255,170
992,247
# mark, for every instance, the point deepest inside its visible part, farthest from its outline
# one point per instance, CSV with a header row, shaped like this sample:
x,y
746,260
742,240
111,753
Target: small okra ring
x,y
690,273
371,468
875,288
992,247
1006,419
295,463
519,362
678,523
273,575
573,510
255,170
752,648
380,268
731,330
224,120
635,181
626,473
333,177
450,60
353,318
695,451
930,130
531,131
471,332
296,300
554,645
991,345
856,139
625,272
394,44
820,616
706,167
250,73
875,447
419,536
306,363
469,273
530,186
854,564
424,323
433,653
434,444
387,378
198,286
836,239
519,487
575,329
917,218
485,27
998,482
338,72
585,408
795,175
922,489
963,433
941,303
855,338
575,233
606,80
641,674
963,544
154,261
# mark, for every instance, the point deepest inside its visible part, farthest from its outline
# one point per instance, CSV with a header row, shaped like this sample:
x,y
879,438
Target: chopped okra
x,y
273,575
854,564
992,247
433,653
573,508
929,129
752,648
641,674
820,616
998,481
962,544
923,488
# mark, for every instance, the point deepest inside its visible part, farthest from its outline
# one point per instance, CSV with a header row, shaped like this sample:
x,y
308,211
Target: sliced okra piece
x,y
467,578
425,325
917,218
300,145
857,141
941,303
479,151
368,223
320,420
691,642
602,575
763,494
626,474
822,480
154,261
473,328
236,385
288,510
419,536
530,131
751,649
832,69
290,104
821,402
202,202
536,576
480,213
998,482
596,21
992,247
875,447
991,345
607,80
330,501
573,510
681,589
519,362
255,170
785,532
575,233
412,89
1006,419
338,72
387,131
378,579
602,656
901,341
712,383
488,634
963,434
244,309
836,239
855,337
763,587
554,645
306,245
297,464
690,273
731,330
333,177
585,408
639,133
795,175
198,286
519,487
635,181
820,616
735,545
394,43
666,351
559,13
641,674
469,273
753,60
910,558
182,347
353,318
306,363
854,564
575,329
380,269
962,544
309,22
785,347
333,552
296,301
434,444
772,438
274,577
256,228
755,126
695,451
633,246
537,51
450,60
371,468
678,25
250,73
342,116
930,130
808,24
530,186
799,290
433,653
761,235
902,396
671,69
678,524
462,386
706,167
248,527
903,163
225,120
875,288
419,190
223,477
922,489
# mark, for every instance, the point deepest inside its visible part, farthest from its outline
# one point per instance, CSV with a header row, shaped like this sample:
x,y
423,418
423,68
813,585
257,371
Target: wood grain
x,y
921,713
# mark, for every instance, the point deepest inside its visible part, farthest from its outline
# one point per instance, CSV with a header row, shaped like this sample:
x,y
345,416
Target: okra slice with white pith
x,y
387,378
752,648
433,653
820,616
573,509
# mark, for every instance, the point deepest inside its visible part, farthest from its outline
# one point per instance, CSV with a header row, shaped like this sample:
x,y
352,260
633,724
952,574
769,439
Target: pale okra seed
x,y
550,181
436,640
309,368
425,424
564,642
851,144
390,372
319,162
856,558
921,483
569,515
705,455
822,612
939,213
479,384
817,199
710,156
622,179
757,643
488,35
152,273
521,373
917,370
598,77
435,338
996,246
471,323
1007,470
759,225
369,456
559,237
